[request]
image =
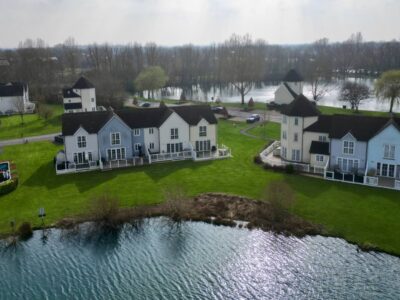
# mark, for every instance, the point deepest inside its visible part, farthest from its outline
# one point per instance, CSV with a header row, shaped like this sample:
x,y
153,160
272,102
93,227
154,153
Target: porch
x,y
70,167
220,152
123,163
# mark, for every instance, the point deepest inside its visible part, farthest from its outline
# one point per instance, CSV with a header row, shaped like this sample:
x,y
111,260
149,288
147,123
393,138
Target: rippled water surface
x,y
193,261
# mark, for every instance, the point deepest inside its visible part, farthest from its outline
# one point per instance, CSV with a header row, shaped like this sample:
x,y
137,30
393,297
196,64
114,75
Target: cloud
x,y
175,22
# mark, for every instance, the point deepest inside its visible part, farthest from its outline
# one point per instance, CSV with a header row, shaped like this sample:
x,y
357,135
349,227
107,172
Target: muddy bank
x,y
215,208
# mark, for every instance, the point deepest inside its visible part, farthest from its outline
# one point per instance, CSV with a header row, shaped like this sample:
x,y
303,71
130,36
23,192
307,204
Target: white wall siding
x,y
152,138
308,138
210,136
174,121
71,144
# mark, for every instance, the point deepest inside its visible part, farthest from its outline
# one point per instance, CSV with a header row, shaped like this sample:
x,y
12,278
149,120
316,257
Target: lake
x,y
193,261
265,94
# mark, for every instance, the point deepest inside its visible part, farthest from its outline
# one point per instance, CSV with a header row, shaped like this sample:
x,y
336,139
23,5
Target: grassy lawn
x,y
11,127
270,130
328,110
359,214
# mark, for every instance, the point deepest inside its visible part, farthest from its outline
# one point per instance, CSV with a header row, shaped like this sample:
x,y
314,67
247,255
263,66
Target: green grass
x,y
11,127
270,131
357,213
328,110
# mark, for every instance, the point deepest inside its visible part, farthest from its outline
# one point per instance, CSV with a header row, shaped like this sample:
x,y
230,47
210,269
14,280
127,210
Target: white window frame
x,y
319,158
348,150
296,155
174,133
136,132
349,163
202,130
114,152
389,151
136,146
322,138
81,141
295,137
151,146
284,135
114,139
151,130
296,121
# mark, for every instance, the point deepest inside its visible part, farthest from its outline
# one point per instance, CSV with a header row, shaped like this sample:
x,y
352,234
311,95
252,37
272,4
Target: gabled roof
x,y
12,89
69,93
292,76
363,128
193,114
301,107
92,121
318,147
294,95
83,83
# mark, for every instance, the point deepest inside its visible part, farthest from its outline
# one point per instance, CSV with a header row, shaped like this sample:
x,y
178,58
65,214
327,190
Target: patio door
x,y
79,158
116,153
386,170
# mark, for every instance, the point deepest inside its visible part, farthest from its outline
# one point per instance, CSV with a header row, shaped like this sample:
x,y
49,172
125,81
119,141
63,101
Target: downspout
x,y
302,140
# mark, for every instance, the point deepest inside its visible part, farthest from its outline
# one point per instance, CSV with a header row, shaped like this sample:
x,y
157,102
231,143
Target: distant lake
x,y
194,261
265,93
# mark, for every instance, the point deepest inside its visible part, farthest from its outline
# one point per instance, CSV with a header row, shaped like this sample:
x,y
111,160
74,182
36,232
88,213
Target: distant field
x,y
11,127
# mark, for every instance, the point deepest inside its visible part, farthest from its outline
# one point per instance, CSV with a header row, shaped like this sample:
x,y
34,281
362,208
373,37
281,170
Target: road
x,y
38,138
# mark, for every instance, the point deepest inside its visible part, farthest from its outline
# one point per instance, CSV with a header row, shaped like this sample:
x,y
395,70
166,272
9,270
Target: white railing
x,y
397,184
73,168
171,156
275,145
371,180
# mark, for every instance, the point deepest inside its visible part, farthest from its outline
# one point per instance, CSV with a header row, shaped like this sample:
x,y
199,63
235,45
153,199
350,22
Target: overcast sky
x,y
176,22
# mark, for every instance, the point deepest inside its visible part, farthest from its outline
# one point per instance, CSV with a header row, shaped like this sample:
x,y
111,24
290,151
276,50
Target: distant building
x,y
291,87
13,96
81,97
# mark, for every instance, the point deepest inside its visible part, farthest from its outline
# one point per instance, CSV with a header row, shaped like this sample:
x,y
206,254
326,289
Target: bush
x,y
251,103
25,231
281,198
257,160
104,210
289,169
9,186
45,112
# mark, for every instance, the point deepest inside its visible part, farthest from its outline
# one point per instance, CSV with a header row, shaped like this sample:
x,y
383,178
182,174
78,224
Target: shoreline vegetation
x,y
219,209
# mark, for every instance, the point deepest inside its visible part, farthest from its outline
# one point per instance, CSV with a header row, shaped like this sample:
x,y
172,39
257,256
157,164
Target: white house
x,y
81,97
14,96
290,88
111,139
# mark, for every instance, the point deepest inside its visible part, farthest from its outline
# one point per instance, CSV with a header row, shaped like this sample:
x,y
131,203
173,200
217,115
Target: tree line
x,y
239,63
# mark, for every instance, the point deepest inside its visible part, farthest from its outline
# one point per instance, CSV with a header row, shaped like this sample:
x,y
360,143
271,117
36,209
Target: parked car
x,y
217,109
146,104
253,118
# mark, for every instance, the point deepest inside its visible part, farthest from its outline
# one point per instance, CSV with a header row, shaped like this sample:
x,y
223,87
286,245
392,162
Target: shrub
x,y
104,210
289,169
251,103
45,112
9,186
257,159
25,231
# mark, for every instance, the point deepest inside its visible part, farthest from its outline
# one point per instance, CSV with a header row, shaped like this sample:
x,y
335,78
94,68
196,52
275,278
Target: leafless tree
x,y
354,93
19,107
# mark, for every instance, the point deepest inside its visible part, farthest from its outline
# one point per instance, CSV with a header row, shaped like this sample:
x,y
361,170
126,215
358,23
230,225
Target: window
x,y
296,121
203,131
322,138
151,146
203,145
136,132
284,119
151,130
172,148
174,133
348,165
284,152
92,99
81,141
116,153
284,135
90,157
296,155
319,158
388,151
295,137
348,147
378,169
137,146
115,138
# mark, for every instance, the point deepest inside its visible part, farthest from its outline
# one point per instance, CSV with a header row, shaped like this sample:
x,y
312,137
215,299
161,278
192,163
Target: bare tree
x,y
319,88
19,107
354,93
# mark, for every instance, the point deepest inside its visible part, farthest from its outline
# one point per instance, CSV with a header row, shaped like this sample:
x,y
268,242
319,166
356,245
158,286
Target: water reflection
x,y
161,260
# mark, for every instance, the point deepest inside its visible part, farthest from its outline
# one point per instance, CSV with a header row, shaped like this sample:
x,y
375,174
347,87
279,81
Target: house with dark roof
x,y
81,97
290,88
357,149
136,136
14,97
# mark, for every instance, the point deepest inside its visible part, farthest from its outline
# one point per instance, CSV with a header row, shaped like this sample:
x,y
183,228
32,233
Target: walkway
x,y
245,131
37,138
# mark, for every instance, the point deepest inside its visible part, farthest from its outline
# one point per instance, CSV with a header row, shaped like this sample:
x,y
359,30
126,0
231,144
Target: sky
x,y
199,22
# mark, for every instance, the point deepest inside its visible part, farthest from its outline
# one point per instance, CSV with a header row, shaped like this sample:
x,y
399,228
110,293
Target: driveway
x,y
38,138
269,115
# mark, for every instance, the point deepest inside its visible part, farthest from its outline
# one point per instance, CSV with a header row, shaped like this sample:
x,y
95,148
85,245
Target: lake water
x,y
193,261
265,94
